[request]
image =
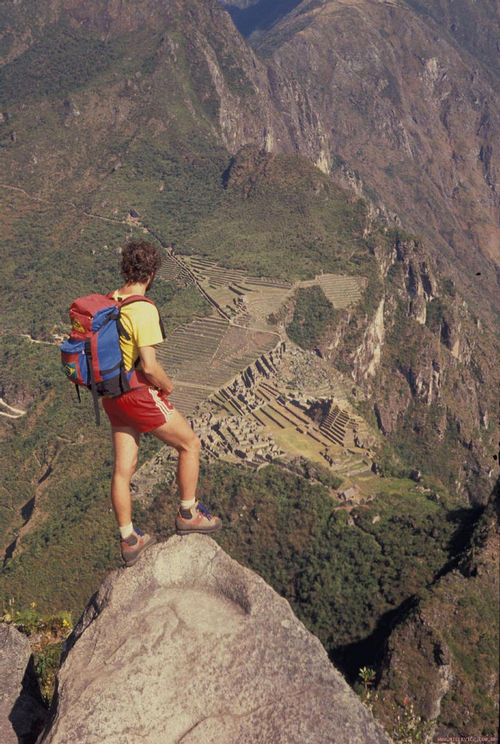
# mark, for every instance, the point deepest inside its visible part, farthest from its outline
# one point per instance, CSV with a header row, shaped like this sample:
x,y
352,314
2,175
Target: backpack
x,y
92,356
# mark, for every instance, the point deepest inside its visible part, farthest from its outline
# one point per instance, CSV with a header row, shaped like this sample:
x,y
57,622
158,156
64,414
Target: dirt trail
x,y
70,204
11,412
37,341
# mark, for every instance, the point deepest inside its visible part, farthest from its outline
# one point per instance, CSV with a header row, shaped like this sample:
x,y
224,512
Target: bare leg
x,y
125,445
178,433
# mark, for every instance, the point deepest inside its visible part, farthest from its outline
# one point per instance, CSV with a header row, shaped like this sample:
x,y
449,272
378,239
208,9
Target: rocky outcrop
x,y
368,355
188,646
419,662
419,281
21,713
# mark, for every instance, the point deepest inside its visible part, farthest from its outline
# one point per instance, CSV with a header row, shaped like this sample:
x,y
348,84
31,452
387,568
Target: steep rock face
x,y
368,354
189,646
415,351
406,107
420,283
475,26
21,713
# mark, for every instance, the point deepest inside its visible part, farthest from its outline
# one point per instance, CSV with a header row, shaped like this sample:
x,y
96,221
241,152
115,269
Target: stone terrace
x,y
205,354
237,293
174,270
342,291
258,417
216,275
255,399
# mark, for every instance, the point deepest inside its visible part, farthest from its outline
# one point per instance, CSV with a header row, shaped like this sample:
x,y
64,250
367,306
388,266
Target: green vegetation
x,y
454,622
178,304
448,287
49,481
37,299
409,727
388,463
47,659
47,634
316,472
473,637
62,61
427,440
283,215
39,238
339,578
313,316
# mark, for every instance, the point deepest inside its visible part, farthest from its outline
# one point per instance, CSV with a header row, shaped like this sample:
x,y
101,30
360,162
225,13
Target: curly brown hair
x,y
139,260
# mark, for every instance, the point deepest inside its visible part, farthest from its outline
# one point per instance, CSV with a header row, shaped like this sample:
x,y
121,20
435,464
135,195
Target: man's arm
x,y
153,369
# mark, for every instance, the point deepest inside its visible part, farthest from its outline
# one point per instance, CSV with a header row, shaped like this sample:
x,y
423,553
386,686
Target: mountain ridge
x,y
248,107
408,92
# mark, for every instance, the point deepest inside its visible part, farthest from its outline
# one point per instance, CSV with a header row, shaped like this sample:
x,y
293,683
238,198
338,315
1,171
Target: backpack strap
x,y
93,384
137,298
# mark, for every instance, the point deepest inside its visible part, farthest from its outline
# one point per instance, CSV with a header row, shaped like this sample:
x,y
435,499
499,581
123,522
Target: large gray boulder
x,y
21,713
188,646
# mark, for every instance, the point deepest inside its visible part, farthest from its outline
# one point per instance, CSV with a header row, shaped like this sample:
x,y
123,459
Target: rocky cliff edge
x,y
188,646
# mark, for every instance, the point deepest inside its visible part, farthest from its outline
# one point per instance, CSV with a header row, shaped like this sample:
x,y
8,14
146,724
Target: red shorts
x,y
143,409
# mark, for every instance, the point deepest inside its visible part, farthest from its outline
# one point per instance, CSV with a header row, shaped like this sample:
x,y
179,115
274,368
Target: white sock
x,y
126,530
188,504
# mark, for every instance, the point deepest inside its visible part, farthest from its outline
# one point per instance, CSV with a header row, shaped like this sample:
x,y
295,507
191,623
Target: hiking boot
x,y
196,519
134,545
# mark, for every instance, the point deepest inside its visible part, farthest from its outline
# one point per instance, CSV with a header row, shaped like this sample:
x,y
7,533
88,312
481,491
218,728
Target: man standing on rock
x,y
147,409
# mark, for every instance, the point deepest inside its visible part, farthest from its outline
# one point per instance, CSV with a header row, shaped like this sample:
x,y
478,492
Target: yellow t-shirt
x,y
142,323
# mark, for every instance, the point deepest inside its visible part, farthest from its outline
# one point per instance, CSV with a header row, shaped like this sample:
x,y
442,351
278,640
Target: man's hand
x,y
153,370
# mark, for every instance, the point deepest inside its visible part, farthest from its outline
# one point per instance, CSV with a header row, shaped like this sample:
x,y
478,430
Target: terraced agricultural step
x,y
335,429
333,437
351,466
366,469
268,415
